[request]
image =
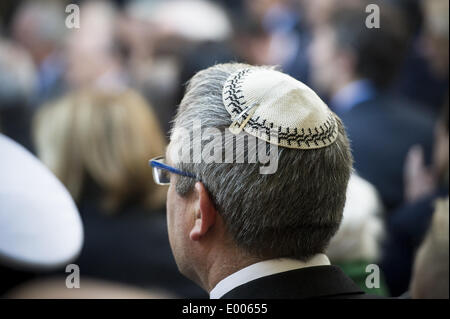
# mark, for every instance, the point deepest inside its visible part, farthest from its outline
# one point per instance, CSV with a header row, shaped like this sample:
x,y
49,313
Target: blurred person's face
x,y
83,65
87,60
317,11
88,49
435,37
325,66
254,49
25,31
259,8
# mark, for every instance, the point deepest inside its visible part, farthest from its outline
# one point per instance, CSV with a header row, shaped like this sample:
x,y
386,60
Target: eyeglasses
x,y
161,171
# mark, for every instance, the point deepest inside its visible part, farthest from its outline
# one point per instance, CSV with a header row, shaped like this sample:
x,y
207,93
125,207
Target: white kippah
x,y
279,109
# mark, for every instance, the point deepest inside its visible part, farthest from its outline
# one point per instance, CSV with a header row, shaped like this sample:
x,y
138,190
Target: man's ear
x,y
205,215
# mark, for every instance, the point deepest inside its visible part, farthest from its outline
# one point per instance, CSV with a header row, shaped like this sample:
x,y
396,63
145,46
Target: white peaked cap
x,y
40,227
196,20
264,102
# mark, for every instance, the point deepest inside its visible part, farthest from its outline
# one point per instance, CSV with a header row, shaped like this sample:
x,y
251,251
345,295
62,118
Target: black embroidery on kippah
x,y
233,89
234,101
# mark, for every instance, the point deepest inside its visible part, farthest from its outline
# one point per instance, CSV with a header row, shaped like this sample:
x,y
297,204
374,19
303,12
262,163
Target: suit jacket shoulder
x,y
305,283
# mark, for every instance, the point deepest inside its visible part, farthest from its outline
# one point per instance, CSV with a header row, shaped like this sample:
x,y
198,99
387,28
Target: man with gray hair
x,y
240,231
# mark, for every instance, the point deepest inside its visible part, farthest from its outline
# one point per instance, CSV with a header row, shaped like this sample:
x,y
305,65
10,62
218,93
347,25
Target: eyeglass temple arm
x,y
154,163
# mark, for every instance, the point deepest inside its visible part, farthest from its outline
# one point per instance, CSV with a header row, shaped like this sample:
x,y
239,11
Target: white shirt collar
x,y
263,269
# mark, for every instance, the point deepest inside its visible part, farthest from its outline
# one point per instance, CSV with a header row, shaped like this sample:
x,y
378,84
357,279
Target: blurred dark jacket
x,y
382,129
406,230
324,282
15,122
417,82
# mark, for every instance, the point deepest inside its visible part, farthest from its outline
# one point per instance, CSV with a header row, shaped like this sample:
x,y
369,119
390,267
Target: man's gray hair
x,y
291,213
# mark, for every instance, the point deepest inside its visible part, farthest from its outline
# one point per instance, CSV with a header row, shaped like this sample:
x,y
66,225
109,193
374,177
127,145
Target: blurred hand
x,y
419,180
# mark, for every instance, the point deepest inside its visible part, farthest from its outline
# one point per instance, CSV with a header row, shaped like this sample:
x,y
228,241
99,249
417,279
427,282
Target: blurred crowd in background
x,y
95,103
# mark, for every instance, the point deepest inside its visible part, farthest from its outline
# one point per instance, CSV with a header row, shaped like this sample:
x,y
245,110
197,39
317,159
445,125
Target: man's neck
x,y
223,265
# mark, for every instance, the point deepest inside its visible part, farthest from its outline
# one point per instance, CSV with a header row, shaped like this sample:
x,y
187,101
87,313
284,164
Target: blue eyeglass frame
x,y
156,162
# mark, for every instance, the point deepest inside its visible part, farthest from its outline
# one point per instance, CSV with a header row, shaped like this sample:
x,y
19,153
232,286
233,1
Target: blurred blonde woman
x,y
98,144
105,139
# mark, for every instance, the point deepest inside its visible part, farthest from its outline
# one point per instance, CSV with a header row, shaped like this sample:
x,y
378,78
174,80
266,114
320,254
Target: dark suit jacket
x,y
15,122
313,282
406,231
381,131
